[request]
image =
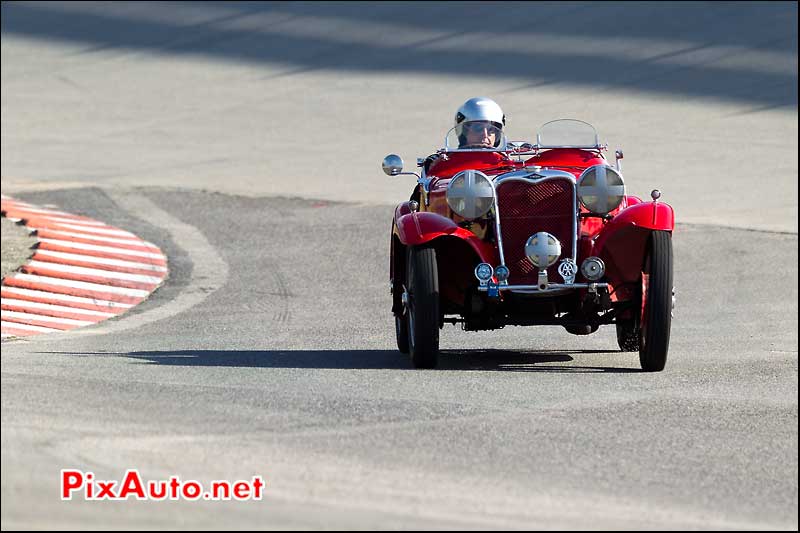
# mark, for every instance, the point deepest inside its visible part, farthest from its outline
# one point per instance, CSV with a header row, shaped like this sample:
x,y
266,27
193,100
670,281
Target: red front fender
x,y
650,215
645,215
622,242
418,228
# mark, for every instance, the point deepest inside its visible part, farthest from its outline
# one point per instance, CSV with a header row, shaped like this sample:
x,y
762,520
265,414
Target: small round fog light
x,y
593,268
502,273
484,272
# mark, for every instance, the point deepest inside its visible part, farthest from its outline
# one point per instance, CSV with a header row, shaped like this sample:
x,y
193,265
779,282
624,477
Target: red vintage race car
x,y
530,233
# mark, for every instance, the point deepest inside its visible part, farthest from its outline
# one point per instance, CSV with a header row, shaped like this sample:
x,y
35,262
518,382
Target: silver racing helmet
x,y
479,123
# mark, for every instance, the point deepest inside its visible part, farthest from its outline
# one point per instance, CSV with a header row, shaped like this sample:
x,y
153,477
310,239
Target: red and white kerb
x,y
82,272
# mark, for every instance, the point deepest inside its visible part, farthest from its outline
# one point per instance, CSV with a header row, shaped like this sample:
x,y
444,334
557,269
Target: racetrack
x,y
270,349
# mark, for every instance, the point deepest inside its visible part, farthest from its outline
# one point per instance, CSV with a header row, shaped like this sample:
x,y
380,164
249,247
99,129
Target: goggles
x,y
481,127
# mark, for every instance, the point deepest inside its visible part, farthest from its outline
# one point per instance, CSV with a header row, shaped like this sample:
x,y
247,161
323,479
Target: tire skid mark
x,y
283,311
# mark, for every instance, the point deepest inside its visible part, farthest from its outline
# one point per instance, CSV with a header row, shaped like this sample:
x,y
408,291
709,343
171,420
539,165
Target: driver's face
x,y
480,134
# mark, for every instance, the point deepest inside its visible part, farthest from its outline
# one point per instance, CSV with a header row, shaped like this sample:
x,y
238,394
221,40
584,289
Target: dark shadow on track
x,y
692,49
480,360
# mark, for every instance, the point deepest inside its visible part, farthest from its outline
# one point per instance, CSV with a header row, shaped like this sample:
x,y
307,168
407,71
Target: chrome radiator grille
x,y
526,207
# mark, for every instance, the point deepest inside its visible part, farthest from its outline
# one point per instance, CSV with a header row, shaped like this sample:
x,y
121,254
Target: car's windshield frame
x,y
526,147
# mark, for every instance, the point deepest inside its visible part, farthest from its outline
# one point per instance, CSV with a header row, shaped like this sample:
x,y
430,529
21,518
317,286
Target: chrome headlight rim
x,y
473,200
604,197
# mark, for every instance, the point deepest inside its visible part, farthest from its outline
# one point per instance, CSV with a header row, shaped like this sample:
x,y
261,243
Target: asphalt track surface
x,y
270,348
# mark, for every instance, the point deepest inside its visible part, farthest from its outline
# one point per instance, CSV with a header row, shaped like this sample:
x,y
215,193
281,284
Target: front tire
x,y
423,307
656,318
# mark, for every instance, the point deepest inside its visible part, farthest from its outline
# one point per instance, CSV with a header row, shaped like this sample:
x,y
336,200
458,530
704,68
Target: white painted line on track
x,y
28,327
95,272
93,237
57,219
44,295
210,271
28,208
101,260
81,285
50,307
46,318
106,249
100,231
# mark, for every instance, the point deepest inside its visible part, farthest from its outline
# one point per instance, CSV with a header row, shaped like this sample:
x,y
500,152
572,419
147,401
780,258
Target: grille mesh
x,y
527,208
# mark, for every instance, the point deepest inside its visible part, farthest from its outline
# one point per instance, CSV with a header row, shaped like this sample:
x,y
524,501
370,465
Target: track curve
x,y
82,272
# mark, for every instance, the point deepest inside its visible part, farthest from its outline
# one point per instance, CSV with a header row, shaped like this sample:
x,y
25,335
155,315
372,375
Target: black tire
x,y
401,332
628,335
423,307
657,312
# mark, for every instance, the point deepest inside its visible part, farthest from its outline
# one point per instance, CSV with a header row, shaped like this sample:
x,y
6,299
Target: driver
x,y
479,123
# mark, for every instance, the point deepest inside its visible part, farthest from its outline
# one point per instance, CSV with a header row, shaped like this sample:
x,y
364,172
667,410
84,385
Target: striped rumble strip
x,y
82,272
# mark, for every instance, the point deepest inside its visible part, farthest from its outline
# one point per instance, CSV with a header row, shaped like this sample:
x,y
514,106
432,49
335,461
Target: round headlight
x,y
470,194
601,189
593,268
543,249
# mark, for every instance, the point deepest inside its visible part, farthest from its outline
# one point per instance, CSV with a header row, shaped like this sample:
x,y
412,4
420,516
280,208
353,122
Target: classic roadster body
x,y
530,234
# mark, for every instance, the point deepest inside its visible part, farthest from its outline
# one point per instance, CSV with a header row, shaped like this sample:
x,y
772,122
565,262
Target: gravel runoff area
x,y
16,246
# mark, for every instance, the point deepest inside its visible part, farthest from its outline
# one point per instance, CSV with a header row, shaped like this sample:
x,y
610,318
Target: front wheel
x,y
422,311
656,314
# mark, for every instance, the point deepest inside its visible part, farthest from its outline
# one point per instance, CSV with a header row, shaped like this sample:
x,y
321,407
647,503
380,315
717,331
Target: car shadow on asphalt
x,y
469,360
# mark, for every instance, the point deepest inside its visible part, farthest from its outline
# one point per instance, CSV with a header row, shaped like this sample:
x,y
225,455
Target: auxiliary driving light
x,y
484,272
502,273
543,249
593,268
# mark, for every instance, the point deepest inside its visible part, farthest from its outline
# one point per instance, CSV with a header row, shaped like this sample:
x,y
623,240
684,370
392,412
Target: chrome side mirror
x,y
392,165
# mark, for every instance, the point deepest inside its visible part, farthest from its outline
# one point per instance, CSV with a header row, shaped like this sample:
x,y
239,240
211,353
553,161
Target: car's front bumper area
x,y
494,289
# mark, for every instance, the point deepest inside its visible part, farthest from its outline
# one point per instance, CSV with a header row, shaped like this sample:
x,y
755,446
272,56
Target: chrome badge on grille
x,y
568,269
